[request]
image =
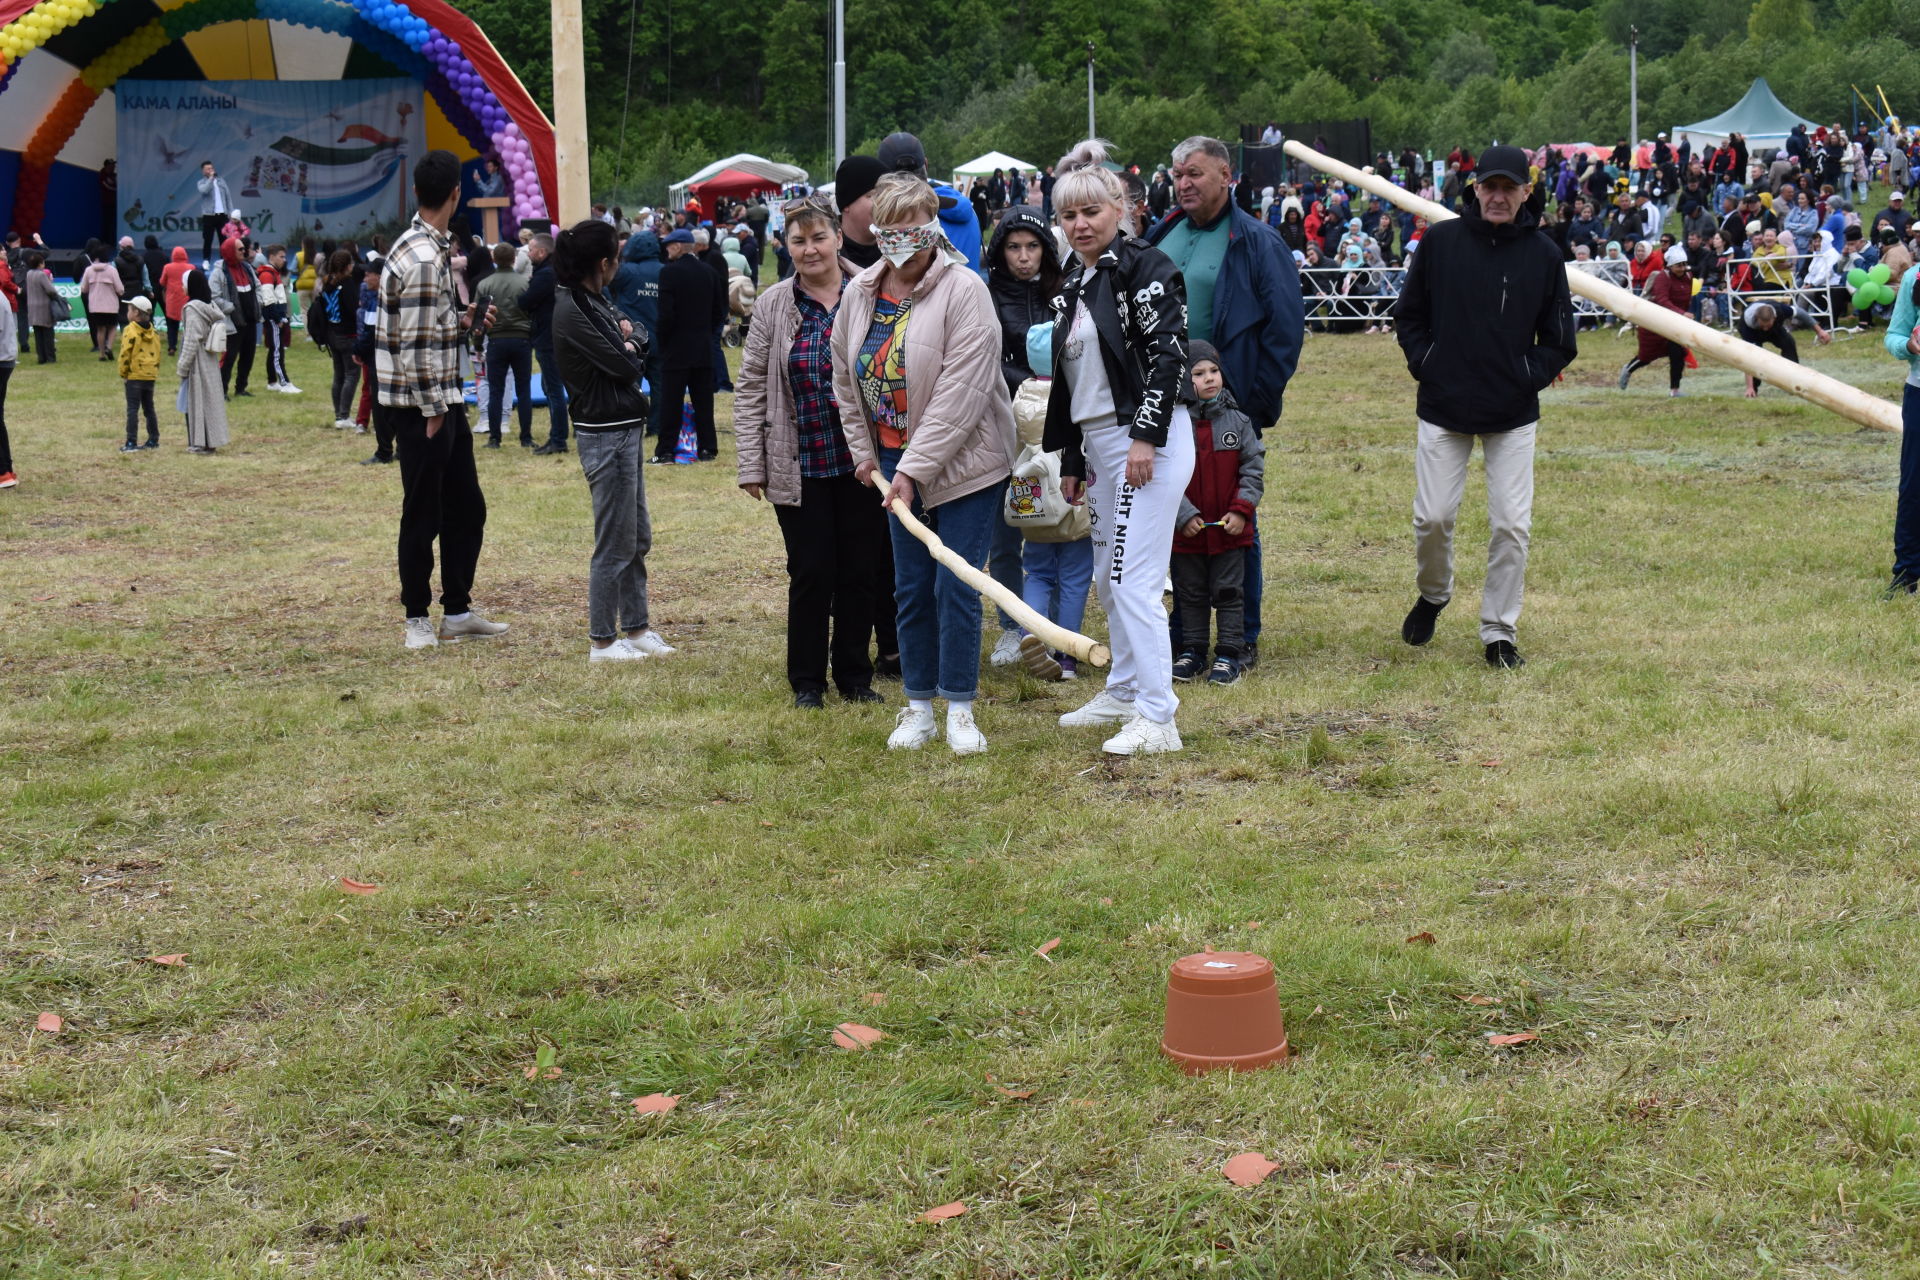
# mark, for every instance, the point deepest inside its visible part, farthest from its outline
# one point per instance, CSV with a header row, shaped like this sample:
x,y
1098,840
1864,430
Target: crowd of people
x,y
1071,390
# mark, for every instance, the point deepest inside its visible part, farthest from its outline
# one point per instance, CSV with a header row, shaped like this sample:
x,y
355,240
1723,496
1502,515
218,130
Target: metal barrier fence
x,y
1341,298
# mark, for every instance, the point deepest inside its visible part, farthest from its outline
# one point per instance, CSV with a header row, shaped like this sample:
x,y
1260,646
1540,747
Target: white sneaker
x,y
1006,650
341,424
650,645
358,429
420,633
913,730
287,388
1143,737
618,651
471,623
963,735
1104,709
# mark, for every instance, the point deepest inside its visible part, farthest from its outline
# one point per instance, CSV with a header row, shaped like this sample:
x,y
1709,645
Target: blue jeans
x,y
556,394
1058,576
1906,511
939,615
1004,562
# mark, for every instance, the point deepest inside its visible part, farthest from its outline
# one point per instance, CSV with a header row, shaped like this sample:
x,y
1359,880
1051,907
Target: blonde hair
x,y
903,198
1082,177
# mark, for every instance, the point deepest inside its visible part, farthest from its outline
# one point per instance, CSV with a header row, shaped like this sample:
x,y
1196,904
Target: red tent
x,y
732,184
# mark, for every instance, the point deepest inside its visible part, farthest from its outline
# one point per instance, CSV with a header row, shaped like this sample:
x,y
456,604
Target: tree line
x,y
674,84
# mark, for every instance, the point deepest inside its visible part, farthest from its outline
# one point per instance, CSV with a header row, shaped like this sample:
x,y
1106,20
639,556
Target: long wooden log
x,y
1801,380
1084,648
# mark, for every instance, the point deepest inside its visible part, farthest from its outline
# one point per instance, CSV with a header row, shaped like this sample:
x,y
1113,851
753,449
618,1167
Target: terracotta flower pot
x,y
1223,1011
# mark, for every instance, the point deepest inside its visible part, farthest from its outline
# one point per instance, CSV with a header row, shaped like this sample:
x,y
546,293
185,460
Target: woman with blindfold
x,y
916,372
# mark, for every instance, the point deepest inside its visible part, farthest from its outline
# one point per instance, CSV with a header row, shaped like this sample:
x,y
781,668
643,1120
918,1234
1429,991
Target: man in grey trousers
x,y
1486,321
216,202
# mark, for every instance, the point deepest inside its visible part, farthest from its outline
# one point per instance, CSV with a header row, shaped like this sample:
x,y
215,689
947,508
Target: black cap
x,y
1503,162
902,152
855,177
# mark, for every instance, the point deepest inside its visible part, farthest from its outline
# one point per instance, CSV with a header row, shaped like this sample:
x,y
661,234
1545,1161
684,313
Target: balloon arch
x,y
55,130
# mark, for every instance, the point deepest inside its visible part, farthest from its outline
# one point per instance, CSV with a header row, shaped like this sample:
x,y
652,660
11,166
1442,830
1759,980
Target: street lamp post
x,y
1633,86
839,82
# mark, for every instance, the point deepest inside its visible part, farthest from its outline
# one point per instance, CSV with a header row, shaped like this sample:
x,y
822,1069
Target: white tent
x,y
983,166
777,175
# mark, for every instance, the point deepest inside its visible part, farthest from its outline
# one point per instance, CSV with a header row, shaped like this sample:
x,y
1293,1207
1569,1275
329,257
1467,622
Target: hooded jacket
x,y
1259,319
601,374
235,290
133,273
155,260
1486,321
636,285
960,224
1138,304
139,352
1020,304
1229,474
173,283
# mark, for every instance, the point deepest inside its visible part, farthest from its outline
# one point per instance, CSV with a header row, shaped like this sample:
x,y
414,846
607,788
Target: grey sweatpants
x,y
622,532
1440,479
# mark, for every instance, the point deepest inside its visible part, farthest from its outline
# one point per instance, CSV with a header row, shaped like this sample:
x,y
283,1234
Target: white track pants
x,y
1132,550
1440,479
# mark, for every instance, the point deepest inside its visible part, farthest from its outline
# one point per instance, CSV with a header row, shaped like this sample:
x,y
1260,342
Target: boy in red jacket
x,y
1215,525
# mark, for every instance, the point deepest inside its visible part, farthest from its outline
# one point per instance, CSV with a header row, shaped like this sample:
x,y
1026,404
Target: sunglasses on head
x,y
816,203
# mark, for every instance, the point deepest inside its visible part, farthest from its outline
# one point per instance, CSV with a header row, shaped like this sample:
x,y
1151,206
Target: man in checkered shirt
x,y
416,353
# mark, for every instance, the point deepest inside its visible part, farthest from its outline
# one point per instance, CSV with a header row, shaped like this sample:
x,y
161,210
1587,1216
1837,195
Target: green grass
x,y
1679,845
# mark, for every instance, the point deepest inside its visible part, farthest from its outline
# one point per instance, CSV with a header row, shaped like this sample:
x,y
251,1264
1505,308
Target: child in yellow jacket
x,y
139,366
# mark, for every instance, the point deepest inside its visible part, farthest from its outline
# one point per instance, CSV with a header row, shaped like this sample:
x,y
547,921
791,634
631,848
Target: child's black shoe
x,y
1226,670
1187,665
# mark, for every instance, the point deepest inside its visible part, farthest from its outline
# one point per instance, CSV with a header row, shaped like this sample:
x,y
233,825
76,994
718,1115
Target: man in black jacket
x,y
693,301
1486,320
537,302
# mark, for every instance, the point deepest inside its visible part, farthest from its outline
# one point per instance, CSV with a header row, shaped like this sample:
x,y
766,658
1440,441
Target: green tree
x,y
1780,21
1463,56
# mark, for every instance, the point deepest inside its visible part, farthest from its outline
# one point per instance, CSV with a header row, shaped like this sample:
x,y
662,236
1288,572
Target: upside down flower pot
x,y
1223,1011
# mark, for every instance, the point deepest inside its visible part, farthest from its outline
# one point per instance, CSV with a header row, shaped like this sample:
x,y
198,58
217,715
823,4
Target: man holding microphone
x,y
416,354
216,201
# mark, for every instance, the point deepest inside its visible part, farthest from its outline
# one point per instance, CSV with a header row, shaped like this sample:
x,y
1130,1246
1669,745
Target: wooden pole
x,y
1056,636
1829,393
570,115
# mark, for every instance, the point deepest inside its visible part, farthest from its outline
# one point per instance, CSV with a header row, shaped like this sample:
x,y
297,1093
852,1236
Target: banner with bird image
x,y
331,158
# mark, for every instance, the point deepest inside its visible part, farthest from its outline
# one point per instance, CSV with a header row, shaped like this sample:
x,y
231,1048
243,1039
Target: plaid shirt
x,y
416,349
823,448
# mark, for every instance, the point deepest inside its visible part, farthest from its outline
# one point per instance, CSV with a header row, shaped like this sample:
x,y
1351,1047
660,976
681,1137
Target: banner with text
x,y
329,157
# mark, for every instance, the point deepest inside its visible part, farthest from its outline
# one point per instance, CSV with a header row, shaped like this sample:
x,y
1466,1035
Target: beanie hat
x,y
1675,256
857,176
1198,351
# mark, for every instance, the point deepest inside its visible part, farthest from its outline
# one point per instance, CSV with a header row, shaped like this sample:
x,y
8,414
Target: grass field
x,y
1679,846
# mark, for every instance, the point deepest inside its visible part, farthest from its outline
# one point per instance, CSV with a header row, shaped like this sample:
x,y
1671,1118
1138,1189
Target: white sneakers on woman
x,y
914,728
650,644
1006,650
647,644
1103,709
1143,737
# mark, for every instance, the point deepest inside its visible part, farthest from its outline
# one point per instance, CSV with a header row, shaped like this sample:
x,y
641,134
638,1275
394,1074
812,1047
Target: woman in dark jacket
x,y
1024,277
1119,362
601,361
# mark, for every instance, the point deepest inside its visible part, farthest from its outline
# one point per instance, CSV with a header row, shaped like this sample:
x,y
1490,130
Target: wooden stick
x,y
1082,647
1808,384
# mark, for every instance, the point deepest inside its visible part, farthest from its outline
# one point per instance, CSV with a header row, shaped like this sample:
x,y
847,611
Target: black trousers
x,y
1676,364
43,346
1779,336
173,336
1211,584
833,539
382,431
140,398
675,386
236,366
441,499
210,224
6,445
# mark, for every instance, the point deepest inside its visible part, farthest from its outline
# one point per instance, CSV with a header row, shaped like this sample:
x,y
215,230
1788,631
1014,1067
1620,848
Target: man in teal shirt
x,y
1243,296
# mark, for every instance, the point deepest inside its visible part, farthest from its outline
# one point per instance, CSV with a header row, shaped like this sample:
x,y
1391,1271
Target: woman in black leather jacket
x,y
1119,363
601,360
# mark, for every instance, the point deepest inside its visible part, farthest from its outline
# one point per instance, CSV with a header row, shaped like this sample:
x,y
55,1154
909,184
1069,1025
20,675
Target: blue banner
x,y
330,158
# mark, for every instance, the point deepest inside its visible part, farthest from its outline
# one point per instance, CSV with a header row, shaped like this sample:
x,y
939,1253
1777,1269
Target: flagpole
x,y
575,197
